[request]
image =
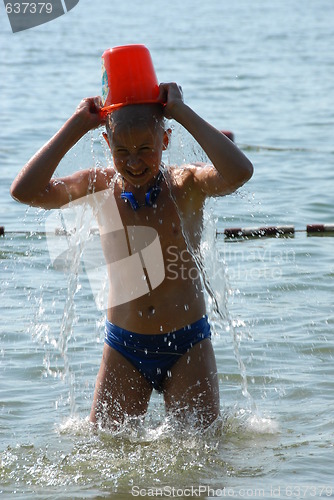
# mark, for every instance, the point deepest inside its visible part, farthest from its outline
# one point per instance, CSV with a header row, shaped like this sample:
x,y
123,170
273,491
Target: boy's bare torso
x,y
178,300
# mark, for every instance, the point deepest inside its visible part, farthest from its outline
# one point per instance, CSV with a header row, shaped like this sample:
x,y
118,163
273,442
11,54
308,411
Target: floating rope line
x,y
230,233
57,232
276,231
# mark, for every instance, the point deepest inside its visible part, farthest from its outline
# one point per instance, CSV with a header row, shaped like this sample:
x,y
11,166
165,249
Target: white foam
x,y
76,426
243,422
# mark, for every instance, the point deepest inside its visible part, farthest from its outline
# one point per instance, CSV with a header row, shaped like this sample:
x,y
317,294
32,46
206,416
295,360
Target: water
x,y
263,71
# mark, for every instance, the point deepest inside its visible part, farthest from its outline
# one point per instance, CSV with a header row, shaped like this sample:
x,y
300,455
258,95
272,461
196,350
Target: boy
x,y
159,340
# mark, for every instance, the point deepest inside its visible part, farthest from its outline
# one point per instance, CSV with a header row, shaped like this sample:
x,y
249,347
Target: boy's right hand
x,y
88,113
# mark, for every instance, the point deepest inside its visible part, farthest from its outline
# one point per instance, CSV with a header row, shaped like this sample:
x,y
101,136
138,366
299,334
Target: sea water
x,y
263,71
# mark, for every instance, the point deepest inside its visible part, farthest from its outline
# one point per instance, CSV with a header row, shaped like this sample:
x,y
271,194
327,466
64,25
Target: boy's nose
x,y
132,160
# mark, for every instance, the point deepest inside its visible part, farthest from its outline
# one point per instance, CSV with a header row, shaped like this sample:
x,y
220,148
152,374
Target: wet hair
x,y
147,115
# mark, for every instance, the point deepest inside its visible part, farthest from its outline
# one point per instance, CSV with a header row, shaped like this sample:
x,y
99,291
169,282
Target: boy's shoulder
x,y
190,173
188,170
103,178
202,179
189,178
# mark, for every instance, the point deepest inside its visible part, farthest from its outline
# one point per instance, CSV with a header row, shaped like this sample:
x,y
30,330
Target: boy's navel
x,y
151,310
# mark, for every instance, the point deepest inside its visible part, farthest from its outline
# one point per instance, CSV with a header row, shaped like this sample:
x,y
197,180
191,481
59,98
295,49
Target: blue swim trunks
x,y
154,355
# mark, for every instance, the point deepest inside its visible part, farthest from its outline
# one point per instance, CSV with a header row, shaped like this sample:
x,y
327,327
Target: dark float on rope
x,y
228,134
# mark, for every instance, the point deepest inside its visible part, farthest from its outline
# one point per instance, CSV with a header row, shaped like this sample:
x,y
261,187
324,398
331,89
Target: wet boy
x,y
160,340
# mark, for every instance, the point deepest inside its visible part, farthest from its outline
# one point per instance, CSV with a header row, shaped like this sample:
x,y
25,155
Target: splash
x,y
206,255
82,458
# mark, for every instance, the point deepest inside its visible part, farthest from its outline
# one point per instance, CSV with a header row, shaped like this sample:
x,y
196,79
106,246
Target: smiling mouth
x,y
138,174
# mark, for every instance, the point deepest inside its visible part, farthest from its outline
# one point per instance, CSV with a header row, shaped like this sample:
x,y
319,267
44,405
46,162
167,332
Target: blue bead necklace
x,y
150,196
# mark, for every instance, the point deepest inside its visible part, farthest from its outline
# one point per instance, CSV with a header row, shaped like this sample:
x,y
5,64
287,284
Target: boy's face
x,y
136,141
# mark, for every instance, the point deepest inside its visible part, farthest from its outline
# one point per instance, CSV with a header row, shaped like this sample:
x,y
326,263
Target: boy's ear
x,y
166,138
105,135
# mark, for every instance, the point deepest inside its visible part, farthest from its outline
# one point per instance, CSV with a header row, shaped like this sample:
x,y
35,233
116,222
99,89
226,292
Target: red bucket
x,y
128,77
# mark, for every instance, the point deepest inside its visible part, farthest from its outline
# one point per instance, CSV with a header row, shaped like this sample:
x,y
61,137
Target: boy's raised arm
x,y
34,184
233,166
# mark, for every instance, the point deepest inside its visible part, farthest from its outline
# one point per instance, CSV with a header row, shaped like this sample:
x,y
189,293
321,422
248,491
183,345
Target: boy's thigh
x,y
121,390
192,390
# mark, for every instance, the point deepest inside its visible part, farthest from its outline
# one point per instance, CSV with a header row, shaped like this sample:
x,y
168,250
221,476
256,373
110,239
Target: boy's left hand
x,y
171,95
